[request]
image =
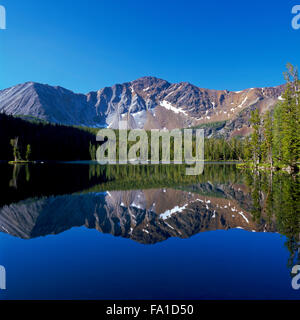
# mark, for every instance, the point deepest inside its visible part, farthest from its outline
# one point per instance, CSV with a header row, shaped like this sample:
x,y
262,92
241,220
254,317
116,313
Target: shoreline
x,y
24,162
267,167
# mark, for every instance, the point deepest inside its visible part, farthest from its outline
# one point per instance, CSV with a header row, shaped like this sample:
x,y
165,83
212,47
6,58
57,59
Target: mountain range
x,y
146,103
146,216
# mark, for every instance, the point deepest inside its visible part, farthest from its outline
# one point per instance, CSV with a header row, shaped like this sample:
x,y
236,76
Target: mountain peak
x,y
148,102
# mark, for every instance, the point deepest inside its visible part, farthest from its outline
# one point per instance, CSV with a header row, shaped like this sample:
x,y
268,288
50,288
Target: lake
x,y
85,231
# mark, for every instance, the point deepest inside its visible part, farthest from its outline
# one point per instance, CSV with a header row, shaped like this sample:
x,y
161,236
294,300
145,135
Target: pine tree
x,y
93,151
268,138
16,151
256,137
290,118
28,152
247,149
277,135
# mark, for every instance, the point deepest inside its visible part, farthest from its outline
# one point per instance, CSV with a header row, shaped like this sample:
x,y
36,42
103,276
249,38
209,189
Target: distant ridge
x,y
148,102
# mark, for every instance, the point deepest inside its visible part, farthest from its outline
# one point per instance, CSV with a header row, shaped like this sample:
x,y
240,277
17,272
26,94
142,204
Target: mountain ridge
x,y
148,103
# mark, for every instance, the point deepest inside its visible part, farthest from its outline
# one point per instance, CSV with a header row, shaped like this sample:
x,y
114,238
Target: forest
x,y
275,141
27,140
36,140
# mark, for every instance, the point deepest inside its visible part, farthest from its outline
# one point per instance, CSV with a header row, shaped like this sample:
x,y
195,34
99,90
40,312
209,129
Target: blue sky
x,y
86,45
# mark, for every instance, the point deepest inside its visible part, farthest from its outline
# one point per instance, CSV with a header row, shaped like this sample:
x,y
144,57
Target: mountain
x,y
148,103
52,104
146,216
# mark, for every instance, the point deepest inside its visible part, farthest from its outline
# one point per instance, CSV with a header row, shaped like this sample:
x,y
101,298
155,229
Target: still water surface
x,y
83,231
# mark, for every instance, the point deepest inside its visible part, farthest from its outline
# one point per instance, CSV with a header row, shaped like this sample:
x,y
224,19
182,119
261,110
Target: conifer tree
x,y
256,137
277,135
247,149
268,138
290,118
16,151
28,152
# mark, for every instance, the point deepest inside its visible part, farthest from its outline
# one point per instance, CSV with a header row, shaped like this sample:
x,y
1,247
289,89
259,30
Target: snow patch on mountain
x,y
169,106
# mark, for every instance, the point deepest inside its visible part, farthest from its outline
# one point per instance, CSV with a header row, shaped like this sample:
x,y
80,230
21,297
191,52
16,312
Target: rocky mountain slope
x,y
148,103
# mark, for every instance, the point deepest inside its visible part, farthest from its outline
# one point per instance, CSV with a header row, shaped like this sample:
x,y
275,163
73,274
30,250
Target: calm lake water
x,y
83,231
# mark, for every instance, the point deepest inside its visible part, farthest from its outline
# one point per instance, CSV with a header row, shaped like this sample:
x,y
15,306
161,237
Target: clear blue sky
x,y
86,45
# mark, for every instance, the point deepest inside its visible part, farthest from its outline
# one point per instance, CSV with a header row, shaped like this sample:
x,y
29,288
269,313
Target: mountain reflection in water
x,y
147,204
78,203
